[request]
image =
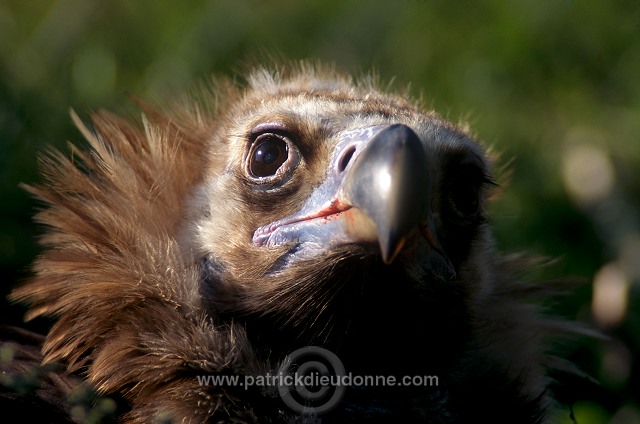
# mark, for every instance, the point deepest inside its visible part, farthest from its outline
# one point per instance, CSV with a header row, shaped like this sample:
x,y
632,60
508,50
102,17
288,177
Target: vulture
x,y
302,223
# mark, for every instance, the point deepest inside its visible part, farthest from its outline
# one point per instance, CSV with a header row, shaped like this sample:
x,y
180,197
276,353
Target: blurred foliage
x,y
553,86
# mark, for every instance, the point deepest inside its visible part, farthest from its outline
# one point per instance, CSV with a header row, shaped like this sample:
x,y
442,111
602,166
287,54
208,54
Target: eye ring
x,y
271,156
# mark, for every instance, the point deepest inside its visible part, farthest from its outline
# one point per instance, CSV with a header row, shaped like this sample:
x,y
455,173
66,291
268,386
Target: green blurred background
x,y
554,86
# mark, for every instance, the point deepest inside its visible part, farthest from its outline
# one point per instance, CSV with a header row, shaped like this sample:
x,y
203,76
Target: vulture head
x,y
303,209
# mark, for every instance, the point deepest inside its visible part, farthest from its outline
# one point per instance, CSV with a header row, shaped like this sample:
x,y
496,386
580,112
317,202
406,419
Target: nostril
x,y
346,158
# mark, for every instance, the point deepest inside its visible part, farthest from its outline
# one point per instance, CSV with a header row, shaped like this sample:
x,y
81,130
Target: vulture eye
x,y
465,191
465,199
271,155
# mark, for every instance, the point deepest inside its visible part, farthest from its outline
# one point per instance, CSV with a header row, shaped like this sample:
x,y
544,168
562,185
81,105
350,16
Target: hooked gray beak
x,y
388,182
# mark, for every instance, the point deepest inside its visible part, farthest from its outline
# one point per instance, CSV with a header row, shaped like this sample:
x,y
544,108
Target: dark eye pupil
x,y
268,156
465,197
465,191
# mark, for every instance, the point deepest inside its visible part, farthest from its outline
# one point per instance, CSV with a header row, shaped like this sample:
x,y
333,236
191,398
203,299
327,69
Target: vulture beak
x,y
388,185
377,191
